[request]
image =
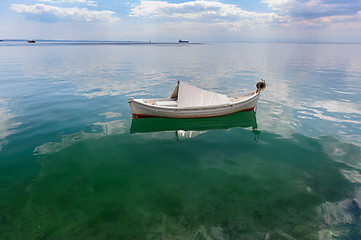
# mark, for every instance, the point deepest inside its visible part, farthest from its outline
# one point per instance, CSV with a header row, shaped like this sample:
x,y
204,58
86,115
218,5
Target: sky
x,y
171,20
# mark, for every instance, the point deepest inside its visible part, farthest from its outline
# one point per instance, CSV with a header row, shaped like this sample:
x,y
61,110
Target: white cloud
x,y
328,19
279,4
87,2
308,16
309,9
192,10
207,11
51,13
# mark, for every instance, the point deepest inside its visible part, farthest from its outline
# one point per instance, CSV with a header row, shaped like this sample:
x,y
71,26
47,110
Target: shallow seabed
x,y
74,165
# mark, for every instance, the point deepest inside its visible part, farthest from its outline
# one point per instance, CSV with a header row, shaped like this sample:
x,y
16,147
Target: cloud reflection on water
x,y
7,123
97,130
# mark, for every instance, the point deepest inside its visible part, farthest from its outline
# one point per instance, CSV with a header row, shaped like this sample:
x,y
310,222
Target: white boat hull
x,y
142,108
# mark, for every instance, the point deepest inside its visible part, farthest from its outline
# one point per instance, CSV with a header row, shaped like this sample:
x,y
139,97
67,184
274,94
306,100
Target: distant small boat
x,y
192,102
31,41
183,41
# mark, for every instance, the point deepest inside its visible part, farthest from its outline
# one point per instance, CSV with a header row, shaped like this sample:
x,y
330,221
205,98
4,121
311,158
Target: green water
x,y
74,165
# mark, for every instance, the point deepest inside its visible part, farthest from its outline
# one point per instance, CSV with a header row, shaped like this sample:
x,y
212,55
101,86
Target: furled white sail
x,y
189,96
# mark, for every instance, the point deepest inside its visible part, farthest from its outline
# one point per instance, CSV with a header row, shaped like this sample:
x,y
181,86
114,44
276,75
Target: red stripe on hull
x,y
151,116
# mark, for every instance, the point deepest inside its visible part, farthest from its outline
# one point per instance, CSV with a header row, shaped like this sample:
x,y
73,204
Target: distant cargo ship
x,y
183,41
31,41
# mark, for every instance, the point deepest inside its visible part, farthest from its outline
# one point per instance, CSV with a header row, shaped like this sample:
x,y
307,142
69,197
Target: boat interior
x,y
166,102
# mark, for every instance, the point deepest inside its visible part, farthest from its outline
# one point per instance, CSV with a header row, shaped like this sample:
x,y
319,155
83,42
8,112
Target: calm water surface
x,y
74,165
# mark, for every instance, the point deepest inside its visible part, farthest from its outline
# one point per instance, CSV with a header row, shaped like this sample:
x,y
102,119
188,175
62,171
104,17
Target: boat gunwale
x,y
172,117
241,101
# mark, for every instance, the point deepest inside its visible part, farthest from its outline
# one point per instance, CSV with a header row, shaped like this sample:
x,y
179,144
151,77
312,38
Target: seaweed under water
x,y
117,187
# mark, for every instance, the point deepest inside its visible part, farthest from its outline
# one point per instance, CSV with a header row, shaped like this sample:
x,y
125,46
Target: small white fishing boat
x,y
191,102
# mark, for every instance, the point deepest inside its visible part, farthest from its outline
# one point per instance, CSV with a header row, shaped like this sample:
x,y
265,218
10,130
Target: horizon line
x,y
190,42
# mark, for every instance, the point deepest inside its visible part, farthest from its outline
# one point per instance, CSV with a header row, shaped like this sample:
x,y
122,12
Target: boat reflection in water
x,y
189,128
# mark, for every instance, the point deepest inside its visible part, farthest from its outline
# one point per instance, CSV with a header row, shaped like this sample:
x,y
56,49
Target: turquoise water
x,y
74,165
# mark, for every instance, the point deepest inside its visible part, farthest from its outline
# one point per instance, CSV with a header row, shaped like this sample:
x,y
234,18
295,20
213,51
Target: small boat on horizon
x,y
31,41
191,102
183,41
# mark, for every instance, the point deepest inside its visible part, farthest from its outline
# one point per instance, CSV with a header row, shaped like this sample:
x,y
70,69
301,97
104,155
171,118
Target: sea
x,y
75,165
